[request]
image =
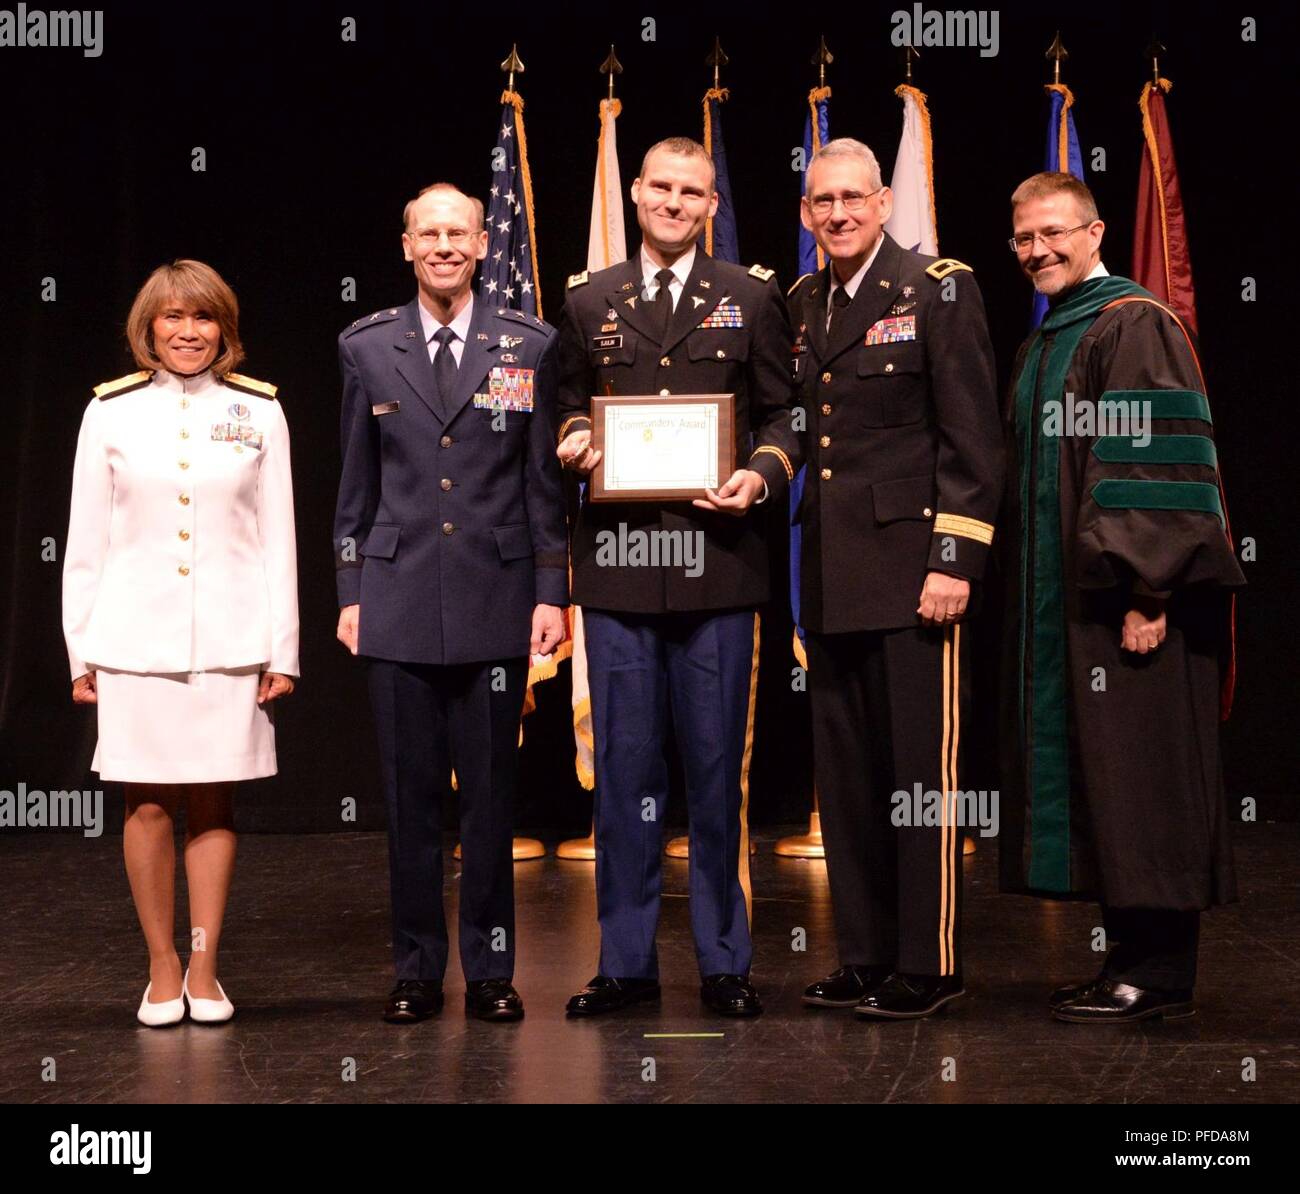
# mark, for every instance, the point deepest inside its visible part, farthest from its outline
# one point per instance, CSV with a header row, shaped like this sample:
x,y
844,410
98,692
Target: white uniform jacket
x,y
181,554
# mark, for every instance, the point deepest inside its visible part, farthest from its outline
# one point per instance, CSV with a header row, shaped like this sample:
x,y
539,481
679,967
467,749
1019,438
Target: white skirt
x,y
187,728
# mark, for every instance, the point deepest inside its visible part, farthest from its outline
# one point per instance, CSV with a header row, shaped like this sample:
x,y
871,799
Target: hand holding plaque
x,y
662,448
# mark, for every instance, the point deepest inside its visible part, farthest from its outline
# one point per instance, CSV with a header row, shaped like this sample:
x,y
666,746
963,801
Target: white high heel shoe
x,y
207,1011
159,1015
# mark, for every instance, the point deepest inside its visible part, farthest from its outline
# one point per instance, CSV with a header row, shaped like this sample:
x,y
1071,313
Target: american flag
x,y
508,276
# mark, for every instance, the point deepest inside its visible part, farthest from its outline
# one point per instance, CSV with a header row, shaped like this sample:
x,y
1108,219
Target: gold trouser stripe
x,y
785,460
743,868
968,528
564,427
949,876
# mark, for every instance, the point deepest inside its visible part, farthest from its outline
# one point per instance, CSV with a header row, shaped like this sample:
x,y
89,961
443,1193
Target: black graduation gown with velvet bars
x,y
1146,823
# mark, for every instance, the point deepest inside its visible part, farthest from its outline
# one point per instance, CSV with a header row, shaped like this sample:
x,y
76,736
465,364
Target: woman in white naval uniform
x,y
180,607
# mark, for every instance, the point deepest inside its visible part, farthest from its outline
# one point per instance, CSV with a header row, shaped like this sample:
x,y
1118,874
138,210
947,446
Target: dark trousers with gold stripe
x,y
887,715
701,670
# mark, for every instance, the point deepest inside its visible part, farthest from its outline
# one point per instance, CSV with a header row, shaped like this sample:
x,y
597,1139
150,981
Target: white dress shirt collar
x,y
1098,271
459,325
178,384
854,282
681,271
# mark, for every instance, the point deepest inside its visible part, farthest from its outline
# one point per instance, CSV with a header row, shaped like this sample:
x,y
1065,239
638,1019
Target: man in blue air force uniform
x,y
452,567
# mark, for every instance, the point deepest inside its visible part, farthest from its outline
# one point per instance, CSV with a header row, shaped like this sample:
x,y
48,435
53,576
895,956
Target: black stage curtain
x,y
314,143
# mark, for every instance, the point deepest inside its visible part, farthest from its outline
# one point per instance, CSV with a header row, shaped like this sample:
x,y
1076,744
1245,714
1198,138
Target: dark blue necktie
x,y
444,367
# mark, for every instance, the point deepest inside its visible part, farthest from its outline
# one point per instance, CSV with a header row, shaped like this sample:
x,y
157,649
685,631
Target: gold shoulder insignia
x,y
946,265
798,282
120,385
250,385
757,271
579,279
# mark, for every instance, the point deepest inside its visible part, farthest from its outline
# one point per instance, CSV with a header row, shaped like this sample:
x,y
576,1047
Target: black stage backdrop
x,y
313,144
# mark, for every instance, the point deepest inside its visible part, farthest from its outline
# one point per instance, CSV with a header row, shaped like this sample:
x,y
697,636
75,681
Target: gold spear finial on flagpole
x,y
1056,54
909,54
1154,50
821,60
512,64
717,58
611,67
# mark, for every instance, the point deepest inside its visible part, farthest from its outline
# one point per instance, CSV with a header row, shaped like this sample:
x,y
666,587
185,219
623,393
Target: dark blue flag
x,y
719,239
509,277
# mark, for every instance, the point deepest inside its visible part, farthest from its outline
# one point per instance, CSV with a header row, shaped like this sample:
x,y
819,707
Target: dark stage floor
x,y
306,962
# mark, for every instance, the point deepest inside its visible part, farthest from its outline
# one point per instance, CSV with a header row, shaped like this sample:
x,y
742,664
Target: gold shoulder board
x,y
945,266
250,385
120,385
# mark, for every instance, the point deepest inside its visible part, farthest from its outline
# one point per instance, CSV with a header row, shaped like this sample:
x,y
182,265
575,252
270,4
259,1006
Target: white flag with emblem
x,y
913,222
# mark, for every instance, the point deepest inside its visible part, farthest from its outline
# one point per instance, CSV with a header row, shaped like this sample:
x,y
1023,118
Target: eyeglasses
x,y
427,238
1023,242
852,201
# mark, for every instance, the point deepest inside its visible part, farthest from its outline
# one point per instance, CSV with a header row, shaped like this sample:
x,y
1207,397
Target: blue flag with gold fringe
x,y
719,239
1063,156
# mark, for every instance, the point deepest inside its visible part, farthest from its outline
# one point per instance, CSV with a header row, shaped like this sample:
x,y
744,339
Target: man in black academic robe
x,y
1119,573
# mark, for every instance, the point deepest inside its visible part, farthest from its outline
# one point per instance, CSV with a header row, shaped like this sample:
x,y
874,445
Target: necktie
x,y
840,299
664,298
444,366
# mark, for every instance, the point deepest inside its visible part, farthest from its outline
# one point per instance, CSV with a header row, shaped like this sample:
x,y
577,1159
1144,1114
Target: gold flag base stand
x,y
524,849
578,849
804,845
680,847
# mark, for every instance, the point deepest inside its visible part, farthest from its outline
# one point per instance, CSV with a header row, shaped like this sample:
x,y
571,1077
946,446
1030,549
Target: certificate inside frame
x,y
721,426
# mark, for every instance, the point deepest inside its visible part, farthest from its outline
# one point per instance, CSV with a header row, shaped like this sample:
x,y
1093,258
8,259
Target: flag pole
x,y
810,844
583,849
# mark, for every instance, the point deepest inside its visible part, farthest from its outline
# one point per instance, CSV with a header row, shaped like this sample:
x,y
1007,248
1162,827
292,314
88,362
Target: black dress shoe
x,y
412,1000
730,995
846,987
493,999
1077,991
605,994
1110,1002
910,996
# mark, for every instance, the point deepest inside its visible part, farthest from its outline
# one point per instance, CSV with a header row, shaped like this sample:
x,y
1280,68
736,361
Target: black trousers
x,y
1153,948
432,720
887,715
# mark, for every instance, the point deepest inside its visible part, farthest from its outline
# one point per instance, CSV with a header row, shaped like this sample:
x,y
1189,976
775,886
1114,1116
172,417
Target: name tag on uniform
x,y
724,315
508,389
237,433
385,408
607,341
892,330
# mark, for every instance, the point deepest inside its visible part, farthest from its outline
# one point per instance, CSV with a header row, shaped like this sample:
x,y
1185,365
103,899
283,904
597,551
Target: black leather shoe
x,y
1118,1003
1077,991
412,1000
730,995
605,994
846,987
910,996
493,999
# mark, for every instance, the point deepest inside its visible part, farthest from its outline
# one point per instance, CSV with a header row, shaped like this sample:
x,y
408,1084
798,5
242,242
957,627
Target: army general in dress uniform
x,y
452,568
904,455
675,640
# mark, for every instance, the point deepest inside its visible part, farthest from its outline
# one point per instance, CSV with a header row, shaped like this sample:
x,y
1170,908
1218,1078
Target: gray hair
x,y
847,147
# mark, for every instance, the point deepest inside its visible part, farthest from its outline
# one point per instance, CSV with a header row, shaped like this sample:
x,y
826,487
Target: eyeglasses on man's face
x,y
1053,238
852,202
